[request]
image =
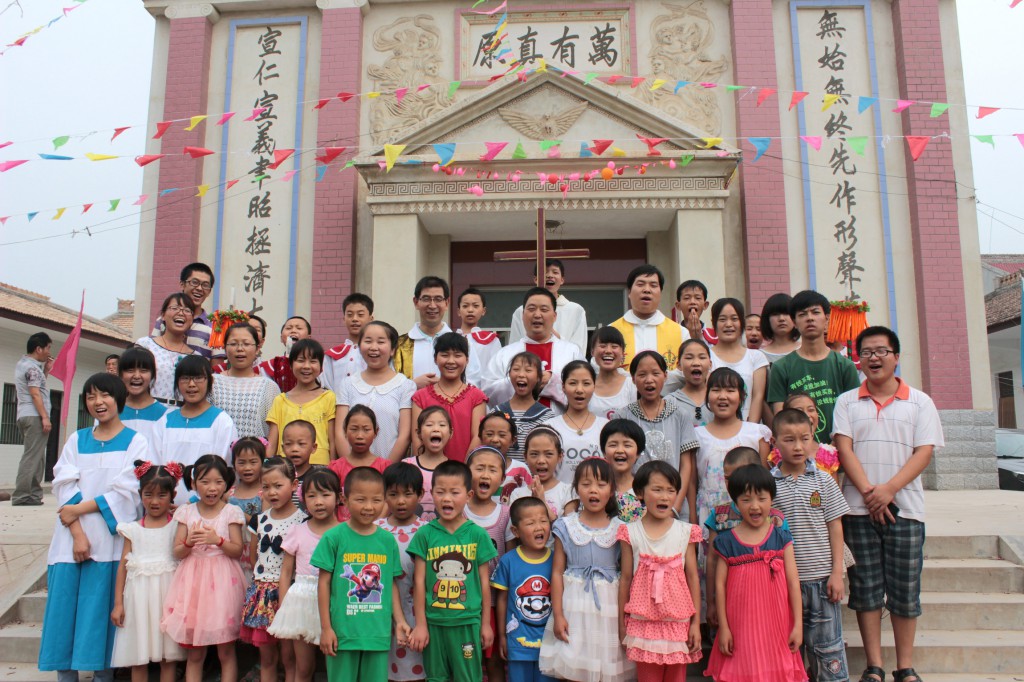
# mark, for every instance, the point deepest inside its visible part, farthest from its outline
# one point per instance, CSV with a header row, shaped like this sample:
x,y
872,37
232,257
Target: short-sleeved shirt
x,y
576,446
556,497
525,421
363,571
28,373
824,380
526,584
387,402
301,542
810,502
460,412
319,412
270,534
747,366
727,516
668,435
197,337
884,438
453,560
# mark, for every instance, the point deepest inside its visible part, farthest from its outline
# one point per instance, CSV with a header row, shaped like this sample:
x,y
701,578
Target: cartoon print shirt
x,y
526,584
363,569
453,562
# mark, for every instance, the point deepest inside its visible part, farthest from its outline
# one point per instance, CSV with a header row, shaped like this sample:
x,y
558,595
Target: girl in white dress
x,y
144,575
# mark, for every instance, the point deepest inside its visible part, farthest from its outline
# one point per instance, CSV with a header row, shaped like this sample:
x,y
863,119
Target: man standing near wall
x,y
33,418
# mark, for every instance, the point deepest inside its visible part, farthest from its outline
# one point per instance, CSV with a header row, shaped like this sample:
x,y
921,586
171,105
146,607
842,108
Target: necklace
x,y
164,345
449,396
661,403
579,429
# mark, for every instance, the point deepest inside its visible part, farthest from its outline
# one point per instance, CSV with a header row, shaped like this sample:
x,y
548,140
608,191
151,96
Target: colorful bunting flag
x,y
585,152
141,200
225,117
637,80
589,78
985,139
1020,138
733,88
679,86
231,183
901,105
102,157
764,94
32,215
917,144
255,112
146,159
391,154
196,152
289,175
113,205
651,143
658,83
520,151
865,103
600,146
812,140
761,144
85,208
372,95
55,157
321,171
445,152
400,94
322,103
58,214
827,101
118,131
203,189
548,144
194,121
452,87
710,142
493,149
330,154
938,109
162,128
857,143
796,99
986,111
59,142
345,96
280,156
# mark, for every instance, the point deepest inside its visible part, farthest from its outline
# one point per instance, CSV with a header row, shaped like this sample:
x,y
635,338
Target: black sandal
x,y
903,673
872,670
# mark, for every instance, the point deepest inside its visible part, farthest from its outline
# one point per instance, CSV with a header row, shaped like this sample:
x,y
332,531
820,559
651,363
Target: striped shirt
x,y
810,502
526,421
198,336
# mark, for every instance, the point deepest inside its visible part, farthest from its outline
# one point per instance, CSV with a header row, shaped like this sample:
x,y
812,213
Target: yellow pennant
x,y
391,153
99,157
194,121
60,212
372,95
543,65
617,152
202,190
658,82
710,142
828,101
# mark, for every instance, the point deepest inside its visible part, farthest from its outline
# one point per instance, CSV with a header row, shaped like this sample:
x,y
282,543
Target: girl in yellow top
x,y
307,401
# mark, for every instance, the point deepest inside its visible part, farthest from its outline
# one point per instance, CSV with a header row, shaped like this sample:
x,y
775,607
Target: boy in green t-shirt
x,y
450,586
357,593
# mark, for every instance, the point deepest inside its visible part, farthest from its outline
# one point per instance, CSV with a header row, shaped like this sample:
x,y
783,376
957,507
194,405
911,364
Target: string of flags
x,y
23,38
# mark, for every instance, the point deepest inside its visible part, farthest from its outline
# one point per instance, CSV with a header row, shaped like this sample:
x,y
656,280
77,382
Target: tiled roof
x,y
1002,306
1008,262
16,300
124,318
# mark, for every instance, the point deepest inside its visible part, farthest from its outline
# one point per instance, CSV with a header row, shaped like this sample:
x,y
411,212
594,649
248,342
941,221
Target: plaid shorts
x,y
889,562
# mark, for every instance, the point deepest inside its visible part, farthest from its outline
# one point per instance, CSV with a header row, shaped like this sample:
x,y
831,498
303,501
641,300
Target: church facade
x,y
756,145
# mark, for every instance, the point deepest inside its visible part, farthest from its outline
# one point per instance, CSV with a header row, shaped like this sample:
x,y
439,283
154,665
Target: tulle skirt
x,y
204,602
299,615
140,641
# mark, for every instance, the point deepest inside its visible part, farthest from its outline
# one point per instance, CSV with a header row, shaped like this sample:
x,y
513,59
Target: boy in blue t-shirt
x,y
525,576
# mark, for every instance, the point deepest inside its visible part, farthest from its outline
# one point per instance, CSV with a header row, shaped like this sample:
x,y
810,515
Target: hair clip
x,y
263,440
175,470
141,470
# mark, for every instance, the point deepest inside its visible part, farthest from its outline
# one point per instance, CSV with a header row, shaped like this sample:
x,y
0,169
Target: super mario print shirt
x,y
363,570
526,584
453,562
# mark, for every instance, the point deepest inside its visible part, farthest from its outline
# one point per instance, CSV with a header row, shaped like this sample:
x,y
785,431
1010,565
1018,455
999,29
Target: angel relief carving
x,y
414,44
548,126
681,42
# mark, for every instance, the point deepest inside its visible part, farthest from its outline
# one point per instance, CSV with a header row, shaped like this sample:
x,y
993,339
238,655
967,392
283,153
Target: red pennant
x,y
322,103
765,94
231,183
797,98
917,144
330,154
637,80
986,111
86,207
19,42
612,80
280,155
161,128
345,96
3,219
600,146
147,159
196,152
651,143
118,131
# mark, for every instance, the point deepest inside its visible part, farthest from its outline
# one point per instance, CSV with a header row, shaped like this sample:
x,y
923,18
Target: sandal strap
x,y
872,670
904,673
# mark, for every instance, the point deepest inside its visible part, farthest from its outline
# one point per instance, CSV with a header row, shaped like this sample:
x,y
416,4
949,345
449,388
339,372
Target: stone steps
x,y
955,610
19,642
935,651
32,607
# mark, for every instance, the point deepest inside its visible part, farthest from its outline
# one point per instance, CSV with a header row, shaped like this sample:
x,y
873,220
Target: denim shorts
x,y
823,646
889,558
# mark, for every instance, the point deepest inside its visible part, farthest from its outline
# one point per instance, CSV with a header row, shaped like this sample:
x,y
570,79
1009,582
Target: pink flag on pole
x,y
64,365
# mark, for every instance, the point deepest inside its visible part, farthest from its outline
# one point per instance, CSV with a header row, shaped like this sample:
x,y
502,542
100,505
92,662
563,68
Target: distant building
x,y
1002,274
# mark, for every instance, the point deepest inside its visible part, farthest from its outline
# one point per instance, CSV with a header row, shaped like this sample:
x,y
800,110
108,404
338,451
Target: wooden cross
x,y
541,253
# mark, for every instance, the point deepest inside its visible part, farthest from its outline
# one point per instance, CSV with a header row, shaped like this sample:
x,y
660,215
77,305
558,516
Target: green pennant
x,y
519,153
260,177
59,142
113,205
548,144
985,139
348,164
858,143
452,87
938,109
588,78
733,88
685,159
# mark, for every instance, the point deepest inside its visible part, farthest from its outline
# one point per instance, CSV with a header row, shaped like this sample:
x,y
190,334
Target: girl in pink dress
x,y
204,602
760,618
660,623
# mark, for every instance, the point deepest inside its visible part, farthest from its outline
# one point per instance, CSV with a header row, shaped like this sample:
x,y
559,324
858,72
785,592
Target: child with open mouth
x,y
543,457
622,441
689,382
527,412
434,427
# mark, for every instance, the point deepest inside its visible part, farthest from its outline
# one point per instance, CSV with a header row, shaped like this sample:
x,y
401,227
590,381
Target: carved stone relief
x,y
681,41
547,126
413,46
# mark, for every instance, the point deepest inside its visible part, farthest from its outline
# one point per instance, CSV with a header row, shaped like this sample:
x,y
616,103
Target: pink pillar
x,y
762,191
935,229
334,211
176,238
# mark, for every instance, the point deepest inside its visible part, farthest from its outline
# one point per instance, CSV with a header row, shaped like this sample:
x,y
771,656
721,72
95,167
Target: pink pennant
x,y
423,87
600,146
1014,3
1020,138
196,152
162,128
651,143
383,164
709,85
323,103
8,165
986,111
280,156
86,207
147,159
612,80
493,149
231,183
400,94
255,112
225,117
289,175
901,105
3,219
637,80
141,200
813,140
69,10
345,96
796,99
118,131
917,144
765,94
497,9
330,154
5,144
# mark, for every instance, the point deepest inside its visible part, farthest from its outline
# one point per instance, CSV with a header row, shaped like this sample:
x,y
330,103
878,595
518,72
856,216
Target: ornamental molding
x,y
472,205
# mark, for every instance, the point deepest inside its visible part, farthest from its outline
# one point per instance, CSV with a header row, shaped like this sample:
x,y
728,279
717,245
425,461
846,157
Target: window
x,y
1007,405
10,434
85,420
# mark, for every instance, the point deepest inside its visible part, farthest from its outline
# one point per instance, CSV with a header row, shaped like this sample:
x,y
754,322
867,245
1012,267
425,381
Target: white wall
x,y
1004,356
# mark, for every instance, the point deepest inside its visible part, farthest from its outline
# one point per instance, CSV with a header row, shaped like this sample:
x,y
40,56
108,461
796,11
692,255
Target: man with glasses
x,y
196,283
414,356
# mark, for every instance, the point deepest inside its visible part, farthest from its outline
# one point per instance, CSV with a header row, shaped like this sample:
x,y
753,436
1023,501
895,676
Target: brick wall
x,y
762,194
931,182
334,210
176,238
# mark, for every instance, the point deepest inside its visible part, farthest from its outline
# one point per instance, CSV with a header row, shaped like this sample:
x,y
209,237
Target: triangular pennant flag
x,y
796,99
231,183
118,131
372,95
710,142
600,146
400,94
59,142
917,144
55,157
520,151
69,10
1020,138
764,94
679,86
8,165
613,79
445,152
938,109
345,96
865,103
100,157
902,104
86,207
813,140
322,103
651,143
225,117
113,205
203,189
162,128
637,80
391,153
165,192
196,152
588,78
986,111
858,143
194,121
58,214
289,175
1014,3
256,112
827,101
985,139
658,83
421,88
542,65
280,156
32,215
330,154
141,200
146,159
493,149
452,87
348,164
321,171
585,152
3,219
709,85
618,152
761,144
548,144
733,88
5,144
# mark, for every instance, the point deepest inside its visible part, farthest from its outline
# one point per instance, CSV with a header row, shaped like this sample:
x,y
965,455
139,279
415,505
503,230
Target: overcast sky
x,y
91,71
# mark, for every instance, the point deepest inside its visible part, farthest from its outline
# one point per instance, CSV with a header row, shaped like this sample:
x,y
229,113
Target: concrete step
x,y
28,672
972,575
935,651
960,610
19,642
32,607
960,547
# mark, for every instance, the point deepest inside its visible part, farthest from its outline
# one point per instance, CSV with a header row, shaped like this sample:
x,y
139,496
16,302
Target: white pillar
x,y
400,259
698,236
